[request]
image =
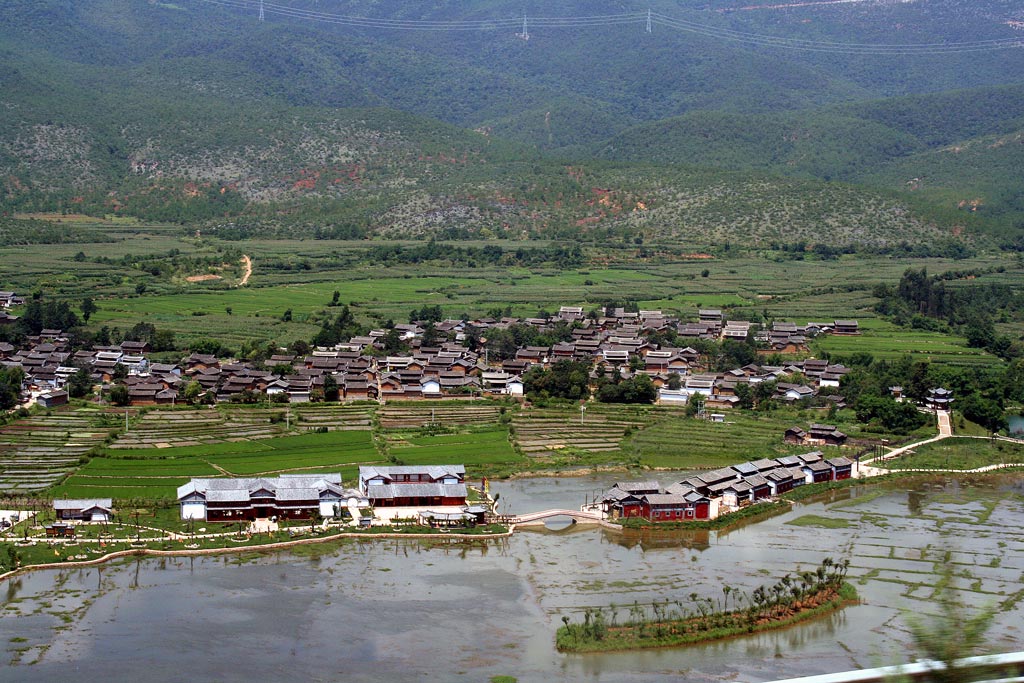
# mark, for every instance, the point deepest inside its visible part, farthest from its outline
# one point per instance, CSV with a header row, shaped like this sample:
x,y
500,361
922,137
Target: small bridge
x,y
537,518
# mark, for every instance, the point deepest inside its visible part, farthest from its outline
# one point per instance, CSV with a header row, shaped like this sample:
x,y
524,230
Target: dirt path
x,y
247,262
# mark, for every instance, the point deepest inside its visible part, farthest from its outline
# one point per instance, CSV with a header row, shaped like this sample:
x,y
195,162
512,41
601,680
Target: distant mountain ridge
x,y
191,111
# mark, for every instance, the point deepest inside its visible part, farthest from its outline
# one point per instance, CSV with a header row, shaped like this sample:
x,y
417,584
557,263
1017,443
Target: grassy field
x,y
960,454
301,275
476,449
678,442
884,340
156,473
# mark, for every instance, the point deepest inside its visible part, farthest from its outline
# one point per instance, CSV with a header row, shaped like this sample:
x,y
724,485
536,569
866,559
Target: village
x,y
447,359
451,359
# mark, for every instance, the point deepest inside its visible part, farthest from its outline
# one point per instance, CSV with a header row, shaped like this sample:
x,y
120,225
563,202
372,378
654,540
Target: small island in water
x,y
669,623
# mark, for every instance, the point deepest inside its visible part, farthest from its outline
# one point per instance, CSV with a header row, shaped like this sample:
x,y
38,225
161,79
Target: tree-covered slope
x,y
945,148
195,111
825,145
474,77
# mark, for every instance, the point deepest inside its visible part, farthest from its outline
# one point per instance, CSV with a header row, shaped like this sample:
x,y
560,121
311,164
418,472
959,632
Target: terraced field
x,y
180,428
679,442
406,415
40,450
543,432
167,428
883,340
334,417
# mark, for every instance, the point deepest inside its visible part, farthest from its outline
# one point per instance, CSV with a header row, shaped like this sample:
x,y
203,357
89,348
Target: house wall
x,y
665,514
193,511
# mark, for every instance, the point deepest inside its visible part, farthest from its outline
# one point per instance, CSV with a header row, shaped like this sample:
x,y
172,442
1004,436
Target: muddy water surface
x,y
419,610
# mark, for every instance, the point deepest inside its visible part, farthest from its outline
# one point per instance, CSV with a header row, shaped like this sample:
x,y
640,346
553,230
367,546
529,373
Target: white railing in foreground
x,y
1009,667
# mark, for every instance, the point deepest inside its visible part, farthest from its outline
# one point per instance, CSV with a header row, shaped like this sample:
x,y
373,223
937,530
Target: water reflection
x,y
447,609
653,539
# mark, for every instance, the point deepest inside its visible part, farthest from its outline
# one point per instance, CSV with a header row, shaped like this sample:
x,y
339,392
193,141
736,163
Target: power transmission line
x,y
648,18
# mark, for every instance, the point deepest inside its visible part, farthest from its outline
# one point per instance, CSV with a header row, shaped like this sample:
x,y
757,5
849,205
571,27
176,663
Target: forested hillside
x,y
394,124
959,149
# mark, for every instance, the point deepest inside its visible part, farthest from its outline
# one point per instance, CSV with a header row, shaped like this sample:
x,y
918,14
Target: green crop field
x,y
158,471
887,341
172,467
475,449
678,442
301,276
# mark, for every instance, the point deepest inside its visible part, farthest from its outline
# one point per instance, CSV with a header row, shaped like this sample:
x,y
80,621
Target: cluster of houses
x,y
299,496
358,370
710,494
7,301
815,435
719,390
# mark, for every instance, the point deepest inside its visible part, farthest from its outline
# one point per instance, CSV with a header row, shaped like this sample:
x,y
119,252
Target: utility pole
x,y
525,35
261,13
648,19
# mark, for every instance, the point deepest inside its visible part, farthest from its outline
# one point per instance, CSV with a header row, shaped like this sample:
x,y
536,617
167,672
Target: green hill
x,y
945,148
823,145
195,112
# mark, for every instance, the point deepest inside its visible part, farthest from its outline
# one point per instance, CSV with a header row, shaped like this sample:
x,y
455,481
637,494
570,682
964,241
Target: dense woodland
x,y
197,114
954,300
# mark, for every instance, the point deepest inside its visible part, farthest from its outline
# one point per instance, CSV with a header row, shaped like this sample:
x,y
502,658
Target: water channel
x,y
449,611
1016,425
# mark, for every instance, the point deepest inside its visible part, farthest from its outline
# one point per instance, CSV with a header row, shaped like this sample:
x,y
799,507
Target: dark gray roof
x,y
755,480
83,504
724,474
389,491
634,486
665,499
813,456
435,471
239,488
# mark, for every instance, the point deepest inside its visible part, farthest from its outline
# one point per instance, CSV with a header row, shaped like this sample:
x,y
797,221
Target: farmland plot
x,y
40,450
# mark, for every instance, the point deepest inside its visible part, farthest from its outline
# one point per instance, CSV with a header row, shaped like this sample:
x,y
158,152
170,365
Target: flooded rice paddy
x,y
408,610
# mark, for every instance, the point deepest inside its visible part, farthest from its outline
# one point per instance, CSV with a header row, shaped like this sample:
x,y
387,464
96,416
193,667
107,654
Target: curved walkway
x,y
945,432
185,552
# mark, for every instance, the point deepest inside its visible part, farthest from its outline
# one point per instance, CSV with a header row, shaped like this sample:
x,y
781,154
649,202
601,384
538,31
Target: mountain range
x,y
197,111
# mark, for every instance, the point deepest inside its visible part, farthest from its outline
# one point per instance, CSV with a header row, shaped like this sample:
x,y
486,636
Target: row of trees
x,y
570,379
735,610
924,301
981,393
